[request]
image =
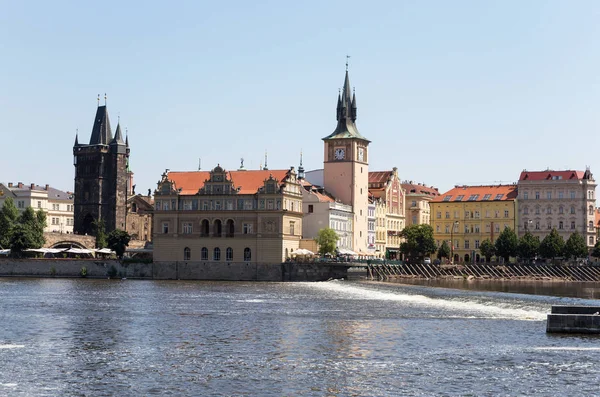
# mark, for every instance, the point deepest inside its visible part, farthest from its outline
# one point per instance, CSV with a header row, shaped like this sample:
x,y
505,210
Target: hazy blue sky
x,y
450,92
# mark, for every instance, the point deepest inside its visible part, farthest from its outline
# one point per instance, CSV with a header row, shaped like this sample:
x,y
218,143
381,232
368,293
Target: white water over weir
x,y
484,271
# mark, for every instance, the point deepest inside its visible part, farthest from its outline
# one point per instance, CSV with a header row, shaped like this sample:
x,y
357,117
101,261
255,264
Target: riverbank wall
x,y
172,270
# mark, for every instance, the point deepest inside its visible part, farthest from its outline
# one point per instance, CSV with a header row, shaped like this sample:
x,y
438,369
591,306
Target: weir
x,y
386,271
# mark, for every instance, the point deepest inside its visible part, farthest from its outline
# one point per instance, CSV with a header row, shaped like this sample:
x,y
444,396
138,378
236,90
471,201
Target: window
x,y
413,204
165,227
438,215
467,214
217,254
496,214
447,214
205,205
591,209
217,204
549,210
165,206
561,194
477,229
229,254
572,225
572,209
39,204
499,196
537,210
525,210
572,194
204,254
311,209
487,197
437,229
537,195
271,205
459,198
526,195
477,214
187,205
447,198
549,225
560,225
247,204
591,226
247,228
467,244
537,225
476,244
447,229
591,240
187,253
549,195
247,254
497,228
187,227
473,197
292,228
506,213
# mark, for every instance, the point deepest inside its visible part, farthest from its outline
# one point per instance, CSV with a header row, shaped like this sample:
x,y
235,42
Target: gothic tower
x,y
346,166
100,177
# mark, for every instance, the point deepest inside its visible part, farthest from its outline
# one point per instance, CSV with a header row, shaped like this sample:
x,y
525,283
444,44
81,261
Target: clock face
x,y
361,154
339,154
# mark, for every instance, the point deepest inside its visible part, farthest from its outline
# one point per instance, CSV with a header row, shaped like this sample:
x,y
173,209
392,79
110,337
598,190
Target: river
x,y
80,337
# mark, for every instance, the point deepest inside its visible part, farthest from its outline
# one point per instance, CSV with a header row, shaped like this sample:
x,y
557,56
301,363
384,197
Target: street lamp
x,y
455,224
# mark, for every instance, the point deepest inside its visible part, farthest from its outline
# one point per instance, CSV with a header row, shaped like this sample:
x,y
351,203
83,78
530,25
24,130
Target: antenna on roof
x,y
199,164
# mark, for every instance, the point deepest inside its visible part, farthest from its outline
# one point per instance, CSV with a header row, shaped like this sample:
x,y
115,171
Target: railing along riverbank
x,y
385,271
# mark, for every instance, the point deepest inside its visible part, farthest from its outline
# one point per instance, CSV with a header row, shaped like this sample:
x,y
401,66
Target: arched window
x,y
591,210
217,228
230,228
560,209
572,209
591,226
229,254
247,254
560,225
133,207
591,240
217,254
204,254
187,253
204,228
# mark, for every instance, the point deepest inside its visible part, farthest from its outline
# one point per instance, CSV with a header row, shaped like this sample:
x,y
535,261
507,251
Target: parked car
x,y
427,261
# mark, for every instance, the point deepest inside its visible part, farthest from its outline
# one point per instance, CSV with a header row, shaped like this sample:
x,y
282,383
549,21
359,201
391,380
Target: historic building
x,y
57,204
321,210
381,234
467,215
101,177
417,198
346,166
561,200
371,232
386,191
227,216
140,210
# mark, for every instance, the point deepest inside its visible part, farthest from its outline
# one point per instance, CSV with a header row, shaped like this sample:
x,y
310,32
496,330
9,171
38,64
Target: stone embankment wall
x,y
171,270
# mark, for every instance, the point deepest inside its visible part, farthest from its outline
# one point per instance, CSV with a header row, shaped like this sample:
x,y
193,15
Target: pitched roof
x,y
420,189
101,131
346,115
379,176
550,175
248,181
478,193
319,192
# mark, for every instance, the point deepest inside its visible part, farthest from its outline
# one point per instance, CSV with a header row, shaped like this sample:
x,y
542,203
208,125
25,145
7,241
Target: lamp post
x,y
452,242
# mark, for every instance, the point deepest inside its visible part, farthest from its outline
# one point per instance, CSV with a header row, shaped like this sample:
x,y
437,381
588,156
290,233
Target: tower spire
x,y
300,168
265,167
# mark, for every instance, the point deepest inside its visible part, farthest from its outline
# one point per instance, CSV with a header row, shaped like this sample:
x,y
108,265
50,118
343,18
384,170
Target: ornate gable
x,y
218,183
165,186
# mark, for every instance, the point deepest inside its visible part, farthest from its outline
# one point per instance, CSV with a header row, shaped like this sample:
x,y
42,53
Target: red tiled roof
x,y
549,175
249,181
420,189
508,192
323,197
379,176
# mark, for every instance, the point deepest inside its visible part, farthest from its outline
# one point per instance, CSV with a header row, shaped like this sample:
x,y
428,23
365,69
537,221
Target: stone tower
x,y
100,177
346,166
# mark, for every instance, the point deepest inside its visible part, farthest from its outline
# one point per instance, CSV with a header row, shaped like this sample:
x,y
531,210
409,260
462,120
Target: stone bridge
x,y
64,240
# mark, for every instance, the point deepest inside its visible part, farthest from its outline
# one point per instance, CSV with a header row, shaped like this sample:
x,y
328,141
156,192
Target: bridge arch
x,y
68,244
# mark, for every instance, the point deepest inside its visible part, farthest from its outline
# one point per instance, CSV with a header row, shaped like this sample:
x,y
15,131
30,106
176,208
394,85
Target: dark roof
x,y
101,132
346,115
118,139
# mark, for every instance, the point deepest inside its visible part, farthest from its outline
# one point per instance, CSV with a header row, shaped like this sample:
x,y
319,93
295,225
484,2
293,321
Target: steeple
x,y
101,132
76,137
346,114
301,168
118,139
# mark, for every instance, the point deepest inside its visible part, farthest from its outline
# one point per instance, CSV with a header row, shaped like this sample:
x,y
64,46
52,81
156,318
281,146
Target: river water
x,y
79,337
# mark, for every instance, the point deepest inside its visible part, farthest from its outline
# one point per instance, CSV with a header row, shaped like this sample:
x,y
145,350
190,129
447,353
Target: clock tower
x,y
346,166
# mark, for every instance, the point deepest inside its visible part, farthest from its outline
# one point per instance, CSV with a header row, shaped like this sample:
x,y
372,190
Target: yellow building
x,y
467,215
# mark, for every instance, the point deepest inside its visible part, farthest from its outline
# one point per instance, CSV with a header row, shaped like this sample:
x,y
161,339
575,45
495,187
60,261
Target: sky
x,y
450,92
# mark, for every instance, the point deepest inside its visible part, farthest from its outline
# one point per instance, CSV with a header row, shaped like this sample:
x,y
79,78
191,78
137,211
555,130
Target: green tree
x,y
34,223
552,245
100,232
575,247
444,250
596,250
327,241
118,240
418,242
487,249
507,244
529,246
8,218
22,238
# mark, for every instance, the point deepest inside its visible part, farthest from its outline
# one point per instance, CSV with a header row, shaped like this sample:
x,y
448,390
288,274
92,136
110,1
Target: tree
x,y
34,223
118,240
418,242
575,247
507,244
444,250
100,232
487,249
8,218
529,246
552,245
327,241
22,238
596,250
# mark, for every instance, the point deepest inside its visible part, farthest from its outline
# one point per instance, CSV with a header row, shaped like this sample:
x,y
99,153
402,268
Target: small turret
x,y
300,168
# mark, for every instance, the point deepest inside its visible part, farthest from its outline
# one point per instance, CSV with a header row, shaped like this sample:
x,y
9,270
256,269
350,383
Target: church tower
x,y
346,166
100,177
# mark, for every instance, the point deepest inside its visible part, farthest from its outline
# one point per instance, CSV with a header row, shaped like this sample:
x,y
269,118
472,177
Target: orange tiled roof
x,y
420,189
478,193
597,217
379,176
549,175
249,181
324,197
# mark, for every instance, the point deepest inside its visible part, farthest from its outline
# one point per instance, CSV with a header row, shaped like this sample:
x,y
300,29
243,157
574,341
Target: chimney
x,y
47,186
10,184
32,186
20,184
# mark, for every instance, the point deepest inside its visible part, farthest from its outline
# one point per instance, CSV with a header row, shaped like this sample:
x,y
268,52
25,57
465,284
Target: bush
x,y
112,272
83,271
53,271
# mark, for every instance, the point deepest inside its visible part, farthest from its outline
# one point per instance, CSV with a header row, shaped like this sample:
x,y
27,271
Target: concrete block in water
x,y
574,319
